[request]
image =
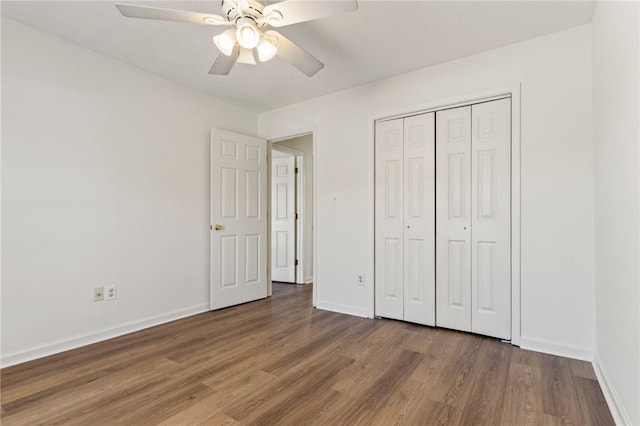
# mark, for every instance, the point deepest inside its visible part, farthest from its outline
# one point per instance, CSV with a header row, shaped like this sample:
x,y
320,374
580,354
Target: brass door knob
x,y
218,227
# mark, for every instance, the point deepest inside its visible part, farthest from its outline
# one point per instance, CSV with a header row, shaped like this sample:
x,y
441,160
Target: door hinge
x,y
296,170
296,216
296,262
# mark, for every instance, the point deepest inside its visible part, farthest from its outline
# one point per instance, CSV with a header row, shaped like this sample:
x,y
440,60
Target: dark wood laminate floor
x,y
279,361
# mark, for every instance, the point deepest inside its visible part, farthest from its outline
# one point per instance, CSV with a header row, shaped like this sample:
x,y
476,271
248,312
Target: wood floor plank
x,y
523,399
456,378
372,407
279,361
304,396
273,397
62,378
372,359
487,387
592,405
583,369
559,396
77,402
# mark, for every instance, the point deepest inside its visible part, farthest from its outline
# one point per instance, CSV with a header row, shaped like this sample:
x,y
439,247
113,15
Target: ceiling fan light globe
x,y
247,35
266,50
245,56
225,41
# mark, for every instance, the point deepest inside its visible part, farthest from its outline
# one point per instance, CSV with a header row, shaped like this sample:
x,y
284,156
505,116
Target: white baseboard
x,y
342,309
308,280
555,348
52,348
620,416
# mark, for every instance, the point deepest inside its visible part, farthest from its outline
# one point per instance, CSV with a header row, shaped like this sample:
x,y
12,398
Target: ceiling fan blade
x,y
145,12
295,55
295,11
223,63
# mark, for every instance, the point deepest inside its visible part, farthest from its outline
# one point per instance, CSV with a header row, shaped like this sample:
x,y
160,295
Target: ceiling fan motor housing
x,y
231,10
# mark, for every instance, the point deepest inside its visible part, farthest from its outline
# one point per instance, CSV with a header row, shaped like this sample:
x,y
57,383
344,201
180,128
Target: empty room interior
x,y
320,212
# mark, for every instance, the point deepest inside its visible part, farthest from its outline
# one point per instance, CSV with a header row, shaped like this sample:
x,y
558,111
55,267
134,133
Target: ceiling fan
x,y
247,38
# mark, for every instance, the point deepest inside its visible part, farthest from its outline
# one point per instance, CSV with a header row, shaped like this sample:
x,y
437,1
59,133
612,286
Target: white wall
x,y
557,178
105,180
617,213
305,144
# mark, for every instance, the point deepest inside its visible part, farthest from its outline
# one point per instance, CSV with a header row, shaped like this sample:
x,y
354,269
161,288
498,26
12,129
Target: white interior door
x,y
491,218
453,218
419,219
283,219
389,233
238,218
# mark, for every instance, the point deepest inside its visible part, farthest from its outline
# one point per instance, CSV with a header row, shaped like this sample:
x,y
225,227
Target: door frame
x,y
279,138
299,160
512,90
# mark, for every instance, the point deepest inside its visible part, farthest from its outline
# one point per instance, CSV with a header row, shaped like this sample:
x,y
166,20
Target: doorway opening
x,y
291,210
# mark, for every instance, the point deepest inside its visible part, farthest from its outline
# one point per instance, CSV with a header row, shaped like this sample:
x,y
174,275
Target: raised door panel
x,y
229,261
389,205
419,219
238,192
392,262
253,269
229,191
252,195
453,218
491,218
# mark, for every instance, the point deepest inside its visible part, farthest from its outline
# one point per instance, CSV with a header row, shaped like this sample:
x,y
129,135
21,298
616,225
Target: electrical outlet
x,y
98,294
110,292
360,278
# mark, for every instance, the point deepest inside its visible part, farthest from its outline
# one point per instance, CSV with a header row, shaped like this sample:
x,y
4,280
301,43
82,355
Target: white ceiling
x,y
379,40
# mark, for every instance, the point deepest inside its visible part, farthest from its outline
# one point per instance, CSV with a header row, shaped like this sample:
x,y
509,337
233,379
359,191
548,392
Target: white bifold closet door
x,y
405,219
473,218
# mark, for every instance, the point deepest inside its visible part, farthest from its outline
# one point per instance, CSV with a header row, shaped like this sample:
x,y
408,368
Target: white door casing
x,y
239,210
283,219
419,219
301,238
453,218
389,233
490,223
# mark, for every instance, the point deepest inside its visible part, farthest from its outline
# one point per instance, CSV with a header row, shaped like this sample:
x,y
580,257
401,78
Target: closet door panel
x,y
453,218
491,218
389,217
419,219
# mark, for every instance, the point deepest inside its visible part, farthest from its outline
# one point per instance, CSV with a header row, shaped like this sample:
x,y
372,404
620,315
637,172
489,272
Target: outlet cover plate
x,y
110,292
98,294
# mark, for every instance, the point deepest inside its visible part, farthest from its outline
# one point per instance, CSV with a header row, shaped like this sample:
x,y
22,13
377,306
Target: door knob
x,y
218,227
